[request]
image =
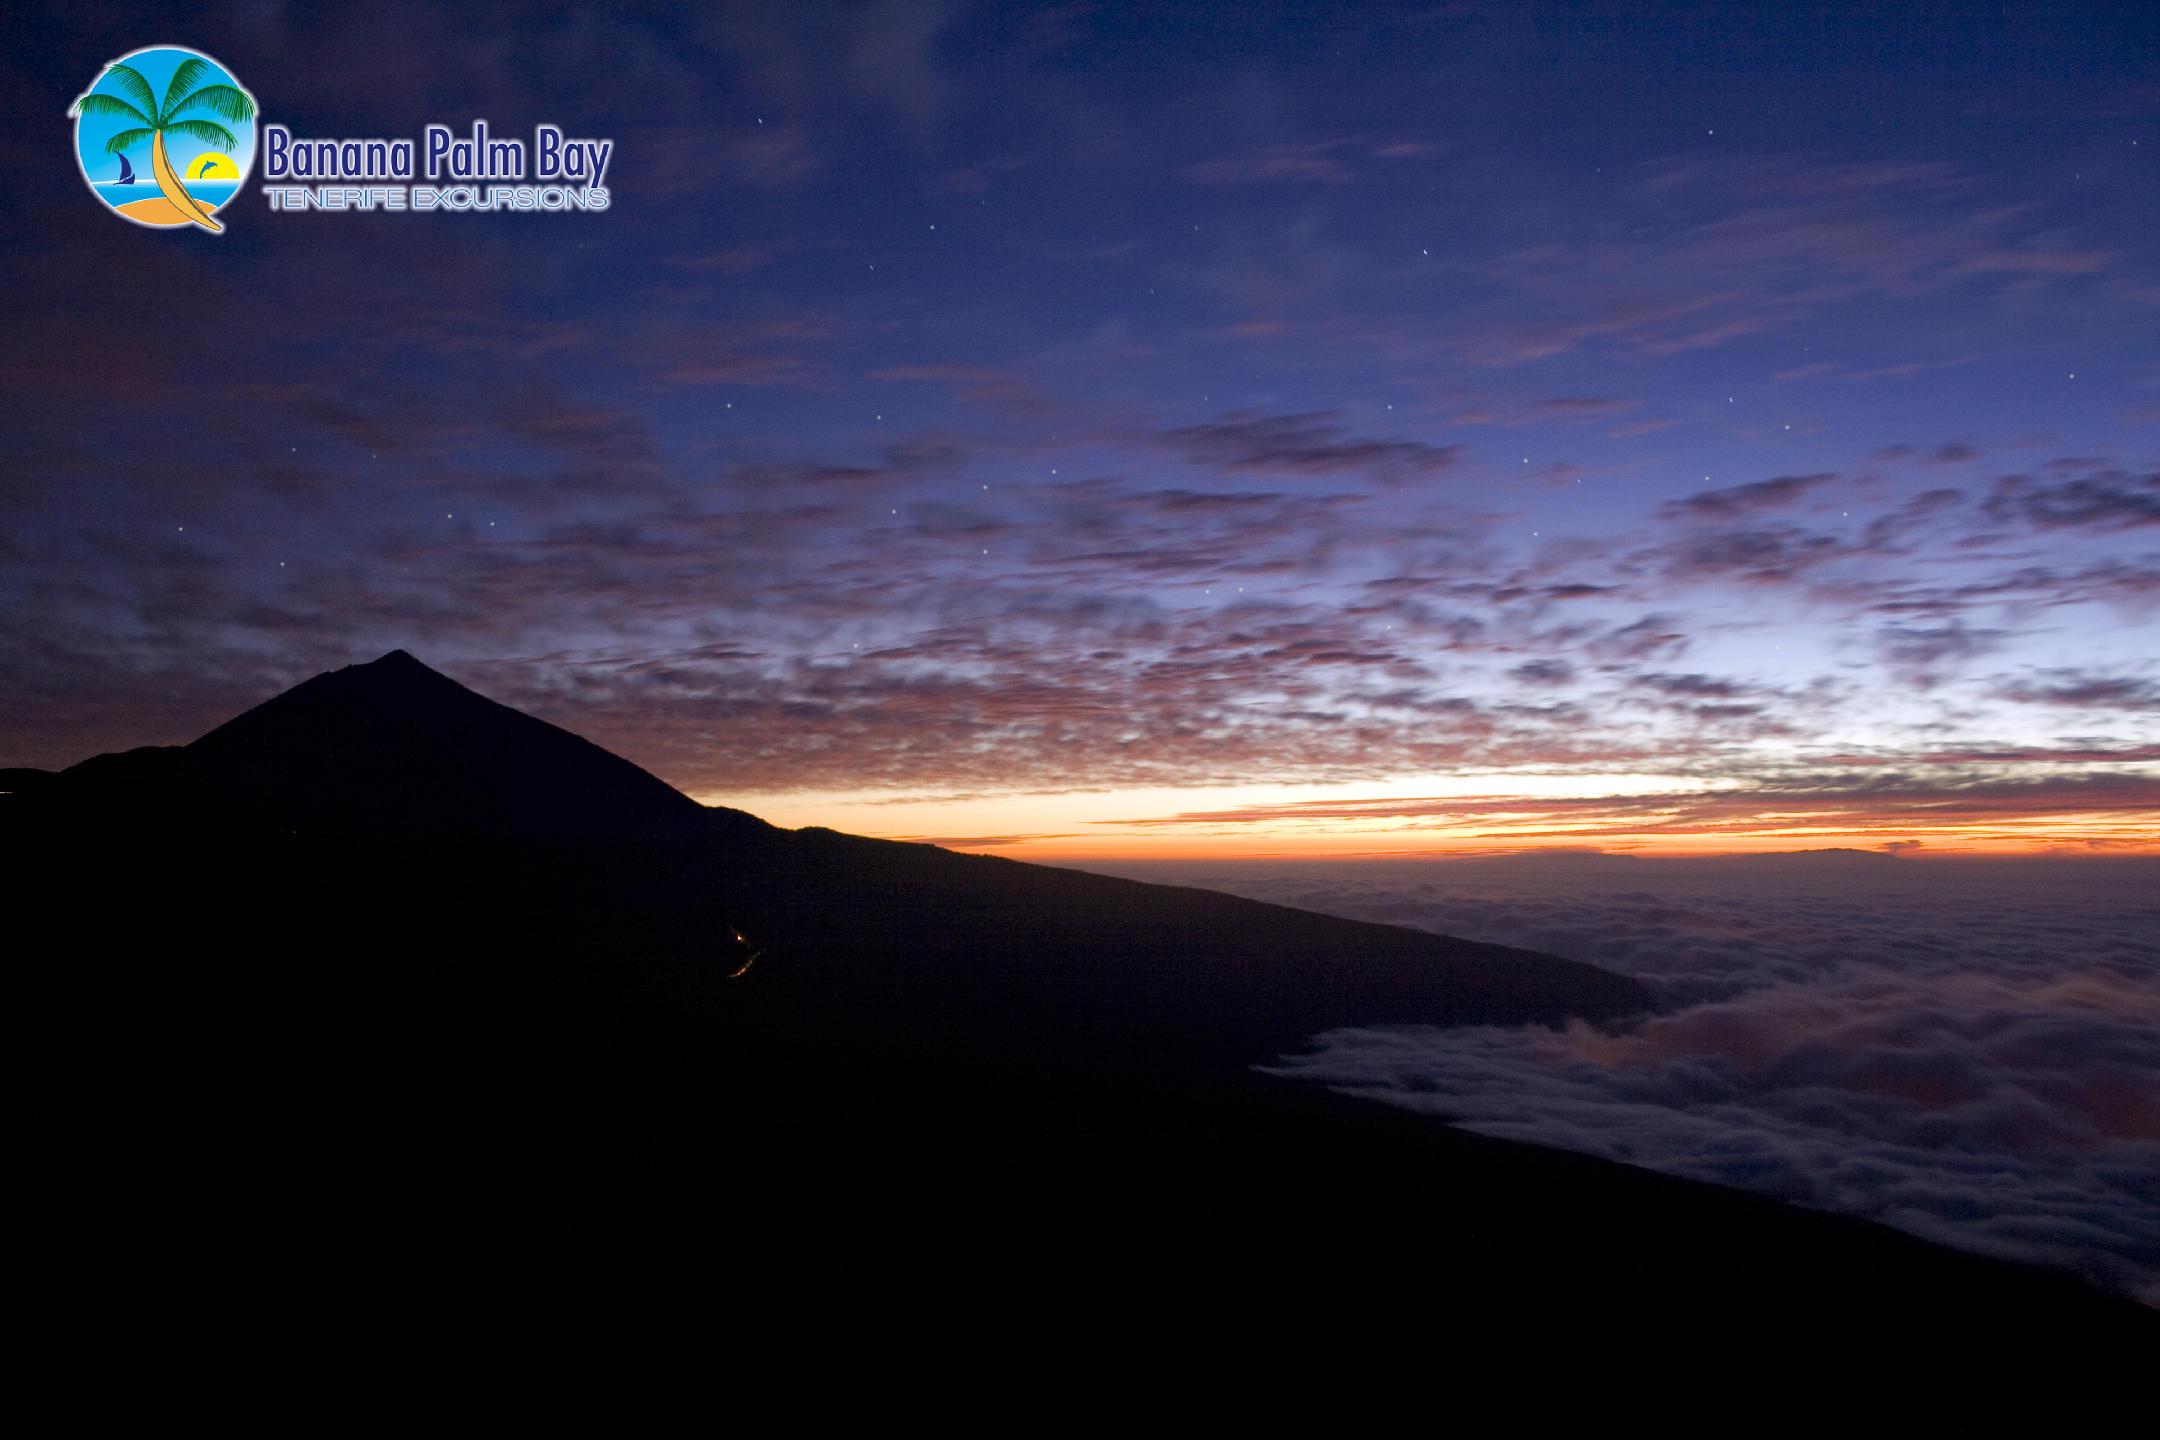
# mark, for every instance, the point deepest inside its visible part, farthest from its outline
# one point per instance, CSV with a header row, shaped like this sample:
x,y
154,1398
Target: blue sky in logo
x,y
93,131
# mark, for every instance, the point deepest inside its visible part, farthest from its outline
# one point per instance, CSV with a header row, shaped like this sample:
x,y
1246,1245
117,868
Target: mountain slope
x,y
907,944
343,986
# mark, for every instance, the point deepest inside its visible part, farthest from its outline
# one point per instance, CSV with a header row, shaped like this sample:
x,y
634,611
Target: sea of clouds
x,y
1965,1049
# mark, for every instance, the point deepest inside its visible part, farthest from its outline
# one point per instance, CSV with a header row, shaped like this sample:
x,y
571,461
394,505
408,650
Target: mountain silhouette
x,y
393,746
383,977
967,950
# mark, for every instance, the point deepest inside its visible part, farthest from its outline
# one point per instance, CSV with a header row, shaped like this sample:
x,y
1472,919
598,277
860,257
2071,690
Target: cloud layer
x,y
1969,1050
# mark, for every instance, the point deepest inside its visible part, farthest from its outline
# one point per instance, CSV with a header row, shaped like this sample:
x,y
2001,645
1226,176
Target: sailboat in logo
x,y
127,172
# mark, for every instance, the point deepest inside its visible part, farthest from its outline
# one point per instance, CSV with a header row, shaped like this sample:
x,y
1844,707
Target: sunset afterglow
x,y
2024,815
1495,431
1102,675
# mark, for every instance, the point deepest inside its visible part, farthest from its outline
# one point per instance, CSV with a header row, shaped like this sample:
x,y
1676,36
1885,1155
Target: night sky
x,y
1086,430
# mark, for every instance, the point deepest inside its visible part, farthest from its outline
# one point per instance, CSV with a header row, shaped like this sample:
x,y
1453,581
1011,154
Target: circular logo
x,y
165,137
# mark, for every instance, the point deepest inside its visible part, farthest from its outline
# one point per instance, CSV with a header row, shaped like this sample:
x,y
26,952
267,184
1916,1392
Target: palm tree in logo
x,y
184,92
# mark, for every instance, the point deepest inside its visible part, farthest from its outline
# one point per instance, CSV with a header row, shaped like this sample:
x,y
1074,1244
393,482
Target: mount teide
x,y
394,747
384,975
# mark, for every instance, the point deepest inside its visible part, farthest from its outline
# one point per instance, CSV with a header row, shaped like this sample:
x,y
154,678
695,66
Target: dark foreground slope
x,y
314,1061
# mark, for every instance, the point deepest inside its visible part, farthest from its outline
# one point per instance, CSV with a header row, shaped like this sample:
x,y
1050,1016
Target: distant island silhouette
x,y
457,986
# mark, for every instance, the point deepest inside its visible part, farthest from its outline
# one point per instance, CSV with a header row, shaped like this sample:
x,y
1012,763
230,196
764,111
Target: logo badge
x,y
165,137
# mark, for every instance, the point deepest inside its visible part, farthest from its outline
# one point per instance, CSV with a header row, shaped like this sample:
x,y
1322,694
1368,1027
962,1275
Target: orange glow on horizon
x,y
1654,816
1271,846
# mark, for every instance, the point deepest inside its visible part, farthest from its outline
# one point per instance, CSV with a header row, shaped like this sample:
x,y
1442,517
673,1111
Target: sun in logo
x,y
184,118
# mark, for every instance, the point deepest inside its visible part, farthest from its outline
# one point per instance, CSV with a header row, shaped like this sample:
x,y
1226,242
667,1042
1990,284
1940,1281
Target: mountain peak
x,y
396,667
393,745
